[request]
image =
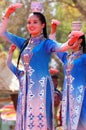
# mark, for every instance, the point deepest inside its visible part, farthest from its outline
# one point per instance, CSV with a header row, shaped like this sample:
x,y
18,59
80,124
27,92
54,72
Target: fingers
x,y
12,8
56,22
72,41
15,6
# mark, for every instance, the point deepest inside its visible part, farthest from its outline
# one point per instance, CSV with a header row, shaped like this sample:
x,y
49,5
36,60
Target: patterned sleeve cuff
x,y
3,25
52,36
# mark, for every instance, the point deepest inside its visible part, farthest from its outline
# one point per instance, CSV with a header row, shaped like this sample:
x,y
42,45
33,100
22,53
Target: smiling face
x,y
34,25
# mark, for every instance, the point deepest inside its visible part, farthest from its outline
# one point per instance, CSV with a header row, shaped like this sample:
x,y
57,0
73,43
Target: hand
x,y
72,41
54,24
74,36
12,8
12,48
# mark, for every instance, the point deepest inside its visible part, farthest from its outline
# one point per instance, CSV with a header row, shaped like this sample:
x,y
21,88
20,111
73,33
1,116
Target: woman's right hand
x,y
54,24
12,8
12,48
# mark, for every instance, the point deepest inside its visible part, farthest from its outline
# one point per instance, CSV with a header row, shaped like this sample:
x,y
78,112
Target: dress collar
x,y
36,40
77,53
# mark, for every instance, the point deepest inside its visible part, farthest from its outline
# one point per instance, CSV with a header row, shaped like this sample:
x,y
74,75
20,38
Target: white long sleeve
x,y
9,59
52,36
3,25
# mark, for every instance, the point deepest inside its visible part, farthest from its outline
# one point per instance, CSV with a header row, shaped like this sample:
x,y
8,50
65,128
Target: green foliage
x,y
63,10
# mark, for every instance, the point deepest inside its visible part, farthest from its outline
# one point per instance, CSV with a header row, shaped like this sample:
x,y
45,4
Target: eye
x,y
28,22
35,22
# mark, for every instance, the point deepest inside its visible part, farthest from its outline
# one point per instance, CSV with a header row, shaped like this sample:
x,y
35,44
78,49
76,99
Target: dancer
x,y
74,90
35,53
21,94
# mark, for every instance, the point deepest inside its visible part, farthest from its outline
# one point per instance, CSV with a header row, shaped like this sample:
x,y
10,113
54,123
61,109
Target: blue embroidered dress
x,y
36,109
74,91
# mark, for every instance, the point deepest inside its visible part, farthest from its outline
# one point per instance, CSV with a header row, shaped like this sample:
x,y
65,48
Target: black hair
x,y
43,20
23,47
58,93
54,76
83,44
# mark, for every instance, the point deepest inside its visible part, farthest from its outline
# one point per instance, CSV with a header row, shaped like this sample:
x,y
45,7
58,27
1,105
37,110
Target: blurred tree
x,y
64,10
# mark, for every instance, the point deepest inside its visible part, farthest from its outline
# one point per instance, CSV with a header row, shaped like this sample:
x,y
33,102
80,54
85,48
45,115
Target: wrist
x,y
6,15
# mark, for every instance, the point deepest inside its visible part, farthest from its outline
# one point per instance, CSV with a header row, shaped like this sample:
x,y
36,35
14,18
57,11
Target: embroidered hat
x,y
36,7
77,33
76,25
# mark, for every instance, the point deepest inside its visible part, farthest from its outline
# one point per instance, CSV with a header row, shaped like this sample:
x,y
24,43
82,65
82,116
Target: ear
x,y
43,25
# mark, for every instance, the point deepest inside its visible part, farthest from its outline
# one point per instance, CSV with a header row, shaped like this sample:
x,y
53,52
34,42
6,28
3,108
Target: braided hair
x,y
24,46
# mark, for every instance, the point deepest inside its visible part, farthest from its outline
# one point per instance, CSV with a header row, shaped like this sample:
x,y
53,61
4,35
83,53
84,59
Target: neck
x,y
34,36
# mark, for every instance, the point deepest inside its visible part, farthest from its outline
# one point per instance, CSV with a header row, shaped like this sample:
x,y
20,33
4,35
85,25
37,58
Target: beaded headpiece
x,y
76,25
36,7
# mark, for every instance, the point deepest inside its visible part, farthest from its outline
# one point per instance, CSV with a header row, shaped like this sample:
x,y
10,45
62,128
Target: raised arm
x,y
18,41
54,24
55,46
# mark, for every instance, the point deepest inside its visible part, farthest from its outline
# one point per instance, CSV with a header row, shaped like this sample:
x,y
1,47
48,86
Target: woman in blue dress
x,y
35,52
21,94
74,88
74,91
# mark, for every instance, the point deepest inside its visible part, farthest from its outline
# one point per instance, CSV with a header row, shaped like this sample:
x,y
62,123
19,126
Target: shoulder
x,y
49,41
83,58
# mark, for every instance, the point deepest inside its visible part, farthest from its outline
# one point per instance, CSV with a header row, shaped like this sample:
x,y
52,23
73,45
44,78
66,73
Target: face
x,y
34,25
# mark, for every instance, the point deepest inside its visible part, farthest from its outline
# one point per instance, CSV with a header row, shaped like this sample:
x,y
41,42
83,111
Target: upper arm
x,y
52,46
18,41
62,56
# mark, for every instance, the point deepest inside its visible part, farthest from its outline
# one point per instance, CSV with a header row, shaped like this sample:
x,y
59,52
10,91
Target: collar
x,y
37,40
